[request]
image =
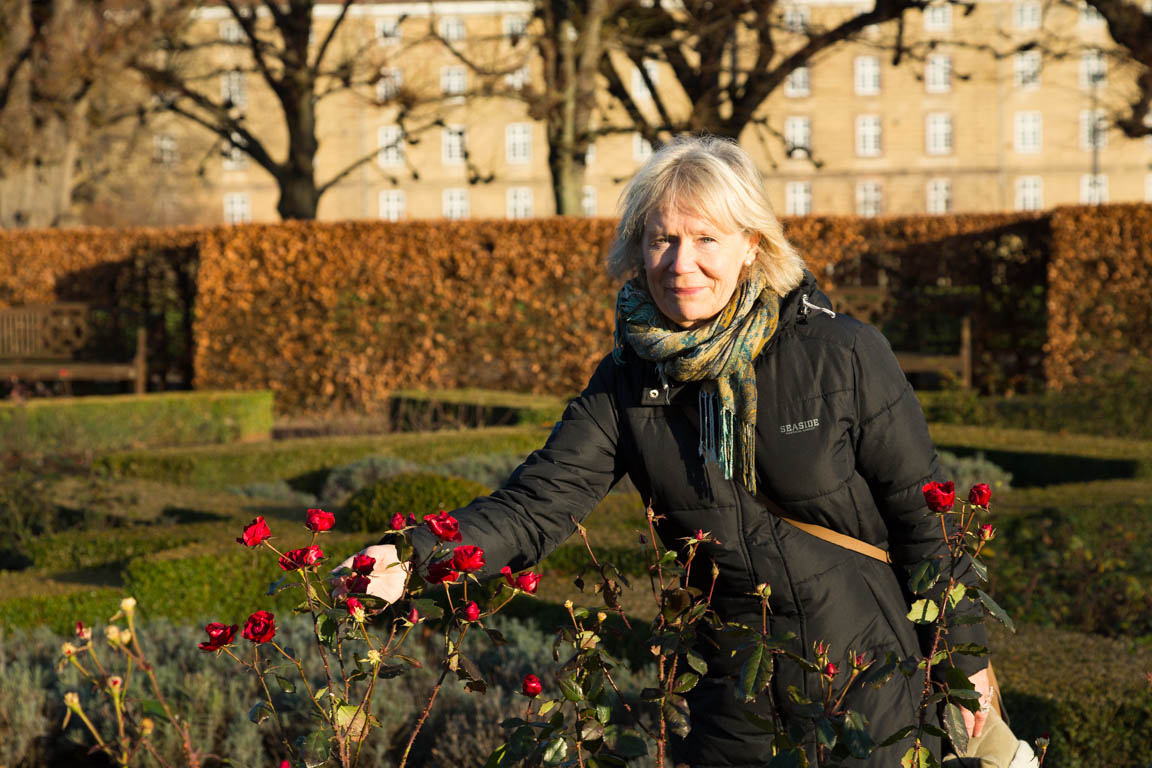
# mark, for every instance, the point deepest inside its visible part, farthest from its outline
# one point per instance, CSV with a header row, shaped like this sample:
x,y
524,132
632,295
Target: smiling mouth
x,y
686,291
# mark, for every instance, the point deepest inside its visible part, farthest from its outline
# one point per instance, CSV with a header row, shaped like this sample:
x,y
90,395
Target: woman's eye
x,y
707,239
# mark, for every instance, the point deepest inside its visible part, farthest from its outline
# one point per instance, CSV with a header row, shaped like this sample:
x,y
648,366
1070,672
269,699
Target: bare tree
x,y
1131,29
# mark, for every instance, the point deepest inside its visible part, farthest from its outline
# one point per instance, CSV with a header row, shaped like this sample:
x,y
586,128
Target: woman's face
x,y
692,265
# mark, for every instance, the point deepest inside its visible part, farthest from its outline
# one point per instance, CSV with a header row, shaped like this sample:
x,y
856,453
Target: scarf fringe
x,y
724,447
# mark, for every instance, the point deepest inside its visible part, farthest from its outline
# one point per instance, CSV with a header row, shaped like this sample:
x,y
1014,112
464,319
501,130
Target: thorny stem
x,y
323,654
366,702
303,678
588,546
185,734
268,694
432,698
627,707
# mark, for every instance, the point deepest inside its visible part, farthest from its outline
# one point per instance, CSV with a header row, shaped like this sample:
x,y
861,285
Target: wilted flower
x,y
112,632
72,701
67,649
374,657
128,606
147,725
355,609
83,632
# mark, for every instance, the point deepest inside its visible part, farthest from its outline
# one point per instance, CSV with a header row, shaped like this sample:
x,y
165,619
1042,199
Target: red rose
x,y
301,558
444,526
363,564
355,608
699,534
256,532
413,616
260,627
441,571
467,559
986,532
357,583
397,523
526,581
531,686
472,611
219,635
318,520
831,670
940,496
980,495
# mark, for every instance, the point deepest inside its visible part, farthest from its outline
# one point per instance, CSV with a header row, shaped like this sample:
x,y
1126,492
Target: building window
x,y
588,200
518,78
867,75
1148,188
938,196
640,90
164,149
641,148
1094,189
938,133
453,82
234,89
388,31
798,136
392,204
518,143
1093,129
1089,16
1093,70
515,27
938,17
451,28
519,202
237,208
231,31
938,73
456,203
868,135
389,84
235,159
390,143
1026,69
590,155
796,18
798,83
1026,15
869,198
1029,193
1028,132
452,145
798,198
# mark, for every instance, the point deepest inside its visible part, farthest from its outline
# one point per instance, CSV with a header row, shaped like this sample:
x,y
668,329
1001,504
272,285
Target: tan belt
x,y
827,534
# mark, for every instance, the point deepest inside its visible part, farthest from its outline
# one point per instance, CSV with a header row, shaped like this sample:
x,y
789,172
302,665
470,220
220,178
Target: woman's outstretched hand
x,y
974,721
387,578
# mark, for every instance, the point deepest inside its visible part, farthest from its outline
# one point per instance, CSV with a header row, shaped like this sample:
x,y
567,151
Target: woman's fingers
x,y
388,576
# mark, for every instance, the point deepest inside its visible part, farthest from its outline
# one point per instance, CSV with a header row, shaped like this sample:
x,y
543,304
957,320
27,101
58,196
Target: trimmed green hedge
x,y
118,422
412,409
370,509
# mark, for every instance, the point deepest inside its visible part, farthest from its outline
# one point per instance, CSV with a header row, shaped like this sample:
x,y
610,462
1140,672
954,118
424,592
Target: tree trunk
x,y
567,180
299,194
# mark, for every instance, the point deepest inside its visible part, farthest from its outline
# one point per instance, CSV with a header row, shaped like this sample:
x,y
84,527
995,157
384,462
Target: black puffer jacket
x,y
841,442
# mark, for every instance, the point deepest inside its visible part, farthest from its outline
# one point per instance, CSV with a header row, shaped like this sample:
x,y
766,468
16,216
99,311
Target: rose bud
x,y
83,632
472,611
319,521
301,558
986,532
256,532
355,609
444,526
525,582
858,661
219,635
940,496
115,682
363,564
700,535
531,686
413,616
441,571
67,649
980,494
831,670
357,583
467,559
397,523
260,627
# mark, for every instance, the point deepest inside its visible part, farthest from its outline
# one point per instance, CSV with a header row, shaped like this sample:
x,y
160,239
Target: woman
x,y
733,378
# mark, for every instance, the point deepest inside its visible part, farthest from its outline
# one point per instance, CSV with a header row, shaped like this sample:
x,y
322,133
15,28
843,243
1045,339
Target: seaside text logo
x,y
800,426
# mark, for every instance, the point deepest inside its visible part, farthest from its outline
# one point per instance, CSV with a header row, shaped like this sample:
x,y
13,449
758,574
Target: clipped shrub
x,y
278,491
86,549
419,493
59,612
411,409
345,480
966,471
489,470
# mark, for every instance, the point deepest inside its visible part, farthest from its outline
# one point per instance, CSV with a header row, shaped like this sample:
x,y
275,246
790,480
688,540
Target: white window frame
x,y
518,78
515,26
869,136
1028,132
392,204
798,198
451,28
1027,15
640,90
869,198
798,83
939,134
455,203
1094,189
796,18
388,30
1093,61
1086,129
390,146
938,17
1027,67
452,144
938,73
641,148
518,202
938,196
588,200
1029,193
866,75
1088,16
798,136
231,32
389,84
453,82
518,143
590,155
237,208
165,149
234,88
235,159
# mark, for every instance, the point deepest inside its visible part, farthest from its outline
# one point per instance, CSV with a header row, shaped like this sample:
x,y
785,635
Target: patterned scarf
x,y
718,354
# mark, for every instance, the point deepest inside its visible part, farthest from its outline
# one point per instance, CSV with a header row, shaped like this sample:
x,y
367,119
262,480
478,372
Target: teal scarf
x,y
719,354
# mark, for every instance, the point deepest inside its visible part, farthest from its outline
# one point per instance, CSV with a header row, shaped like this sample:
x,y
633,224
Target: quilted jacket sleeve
x,y
895,455
531,515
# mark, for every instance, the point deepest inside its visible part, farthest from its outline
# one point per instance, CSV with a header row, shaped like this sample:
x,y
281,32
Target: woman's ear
x,y
753,249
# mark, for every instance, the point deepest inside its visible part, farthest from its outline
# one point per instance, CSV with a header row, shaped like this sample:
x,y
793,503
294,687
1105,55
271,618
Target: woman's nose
x,y
681,259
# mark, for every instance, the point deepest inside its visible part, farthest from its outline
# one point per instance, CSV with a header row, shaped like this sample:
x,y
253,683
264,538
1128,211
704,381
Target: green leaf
x,y
825,733
603,713
652,694
675,711
326,629
995,610
630,745
970,649
547,707
315,743
957,593
511,722
496,759
571,689
924,576
856,737
954,725
279,585
556,751
923,612
287,684
496,637
755,674
918,756
590,730
878,675
761,722
685,682
980,569
153,709
696,661
259,712
900,735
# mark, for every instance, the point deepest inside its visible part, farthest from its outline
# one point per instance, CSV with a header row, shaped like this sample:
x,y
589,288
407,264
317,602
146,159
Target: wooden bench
x,y
38,342
872,304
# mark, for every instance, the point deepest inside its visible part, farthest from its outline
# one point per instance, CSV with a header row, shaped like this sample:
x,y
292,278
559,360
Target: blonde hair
x,y
712,178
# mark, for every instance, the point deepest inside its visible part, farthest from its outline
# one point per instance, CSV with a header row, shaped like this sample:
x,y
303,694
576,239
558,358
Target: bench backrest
x,y
43,331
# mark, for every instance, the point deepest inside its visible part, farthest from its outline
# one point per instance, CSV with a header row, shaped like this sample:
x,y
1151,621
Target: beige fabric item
x,y
995,747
